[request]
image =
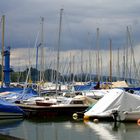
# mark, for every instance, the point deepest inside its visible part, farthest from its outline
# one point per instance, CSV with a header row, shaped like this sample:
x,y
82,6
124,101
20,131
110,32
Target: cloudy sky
x,y
80,21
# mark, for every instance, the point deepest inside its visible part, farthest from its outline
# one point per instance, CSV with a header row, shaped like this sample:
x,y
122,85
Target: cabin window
x,y
76,102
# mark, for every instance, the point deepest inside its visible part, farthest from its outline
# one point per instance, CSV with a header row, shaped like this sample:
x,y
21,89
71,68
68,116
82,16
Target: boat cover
x,y
116,100
16,94
9,107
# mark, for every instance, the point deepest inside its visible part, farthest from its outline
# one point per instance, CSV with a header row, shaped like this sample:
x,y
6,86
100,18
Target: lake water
x,y
66,129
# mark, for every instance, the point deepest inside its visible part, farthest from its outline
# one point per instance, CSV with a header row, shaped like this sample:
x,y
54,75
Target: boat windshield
x,y
72,101
66,101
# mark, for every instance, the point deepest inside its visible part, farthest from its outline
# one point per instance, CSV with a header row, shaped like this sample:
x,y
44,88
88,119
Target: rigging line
x,y
0,21
25,85
64,65
132,52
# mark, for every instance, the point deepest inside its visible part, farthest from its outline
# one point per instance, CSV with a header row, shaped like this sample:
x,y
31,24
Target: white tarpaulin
x,y
116,100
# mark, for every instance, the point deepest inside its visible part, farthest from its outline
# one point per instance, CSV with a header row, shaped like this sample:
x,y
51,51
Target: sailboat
x,y
7,109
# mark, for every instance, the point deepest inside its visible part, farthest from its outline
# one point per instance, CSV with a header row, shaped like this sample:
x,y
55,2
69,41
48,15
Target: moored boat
x,y
116,106
9,110
67,107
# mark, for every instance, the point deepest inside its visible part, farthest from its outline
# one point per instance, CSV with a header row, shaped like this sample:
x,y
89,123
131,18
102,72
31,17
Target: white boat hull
x,y
122,116
130,116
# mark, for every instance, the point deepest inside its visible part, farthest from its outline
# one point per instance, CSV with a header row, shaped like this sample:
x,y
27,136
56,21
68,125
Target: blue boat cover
x,y
19,93
9,107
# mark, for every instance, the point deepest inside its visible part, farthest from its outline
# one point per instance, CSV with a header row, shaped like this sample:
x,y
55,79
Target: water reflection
x,y
115,131
67,129
55,130
7,125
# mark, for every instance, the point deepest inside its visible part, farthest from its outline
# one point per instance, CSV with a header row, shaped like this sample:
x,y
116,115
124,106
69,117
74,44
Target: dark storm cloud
x,y
79,18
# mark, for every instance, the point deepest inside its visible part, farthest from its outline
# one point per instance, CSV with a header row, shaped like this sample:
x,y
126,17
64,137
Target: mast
x,y
73,66
70,72
58,49
2,63
89,65
42,50
101,68
37,46
89,58
126,57
110,61
118,65
82,72
124,67
98,59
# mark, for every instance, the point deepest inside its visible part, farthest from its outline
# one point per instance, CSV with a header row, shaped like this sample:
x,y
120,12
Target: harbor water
x,y
67,129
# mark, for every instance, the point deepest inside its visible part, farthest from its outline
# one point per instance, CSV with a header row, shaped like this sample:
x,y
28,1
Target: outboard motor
x,y
115,114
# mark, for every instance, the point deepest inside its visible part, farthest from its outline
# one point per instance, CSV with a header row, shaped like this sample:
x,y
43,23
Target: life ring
x,y
75,116
138,122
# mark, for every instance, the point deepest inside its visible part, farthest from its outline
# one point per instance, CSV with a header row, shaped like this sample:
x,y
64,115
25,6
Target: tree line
x,y
50,76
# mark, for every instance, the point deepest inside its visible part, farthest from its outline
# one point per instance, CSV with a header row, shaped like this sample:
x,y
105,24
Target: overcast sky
x,y
80,20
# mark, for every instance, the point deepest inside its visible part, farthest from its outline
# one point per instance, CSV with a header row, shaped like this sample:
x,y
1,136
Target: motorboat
x,y
65,107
